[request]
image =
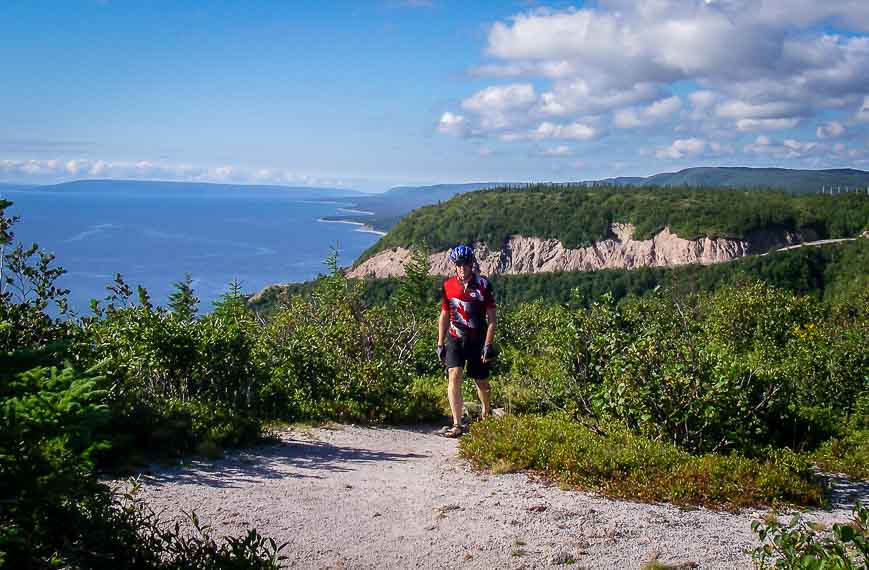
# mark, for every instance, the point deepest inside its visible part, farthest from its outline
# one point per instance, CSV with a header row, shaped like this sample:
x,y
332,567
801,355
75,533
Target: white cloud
x,y
681,148
799,146
581,97
765,124
787,149
560,150
73,167
664,107
769,110
574,131
451,124
741,66
500,107
55,170
853,15
501,98
656,112
99,168
830,130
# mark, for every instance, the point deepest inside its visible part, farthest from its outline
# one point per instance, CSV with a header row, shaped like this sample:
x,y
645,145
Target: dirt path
x,y
352,497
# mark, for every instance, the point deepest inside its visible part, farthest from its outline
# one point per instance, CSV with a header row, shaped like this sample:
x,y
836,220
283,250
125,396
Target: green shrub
x,y
741,369
176,383
329,356
799,544
609,458
53,511
848,454
49,418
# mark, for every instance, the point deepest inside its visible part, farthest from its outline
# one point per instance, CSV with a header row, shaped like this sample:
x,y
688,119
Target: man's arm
x,y
492,318
443,324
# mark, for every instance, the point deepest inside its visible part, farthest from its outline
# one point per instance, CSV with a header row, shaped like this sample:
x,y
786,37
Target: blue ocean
x,y
154,239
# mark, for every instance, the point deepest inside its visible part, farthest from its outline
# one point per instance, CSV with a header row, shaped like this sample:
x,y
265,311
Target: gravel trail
x,y
357,497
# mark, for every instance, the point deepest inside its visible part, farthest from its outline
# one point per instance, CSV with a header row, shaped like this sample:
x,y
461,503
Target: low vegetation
x,y
609,458
801,545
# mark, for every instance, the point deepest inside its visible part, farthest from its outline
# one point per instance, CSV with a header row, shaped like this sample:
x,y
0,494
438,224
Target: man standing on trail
x,y
466,329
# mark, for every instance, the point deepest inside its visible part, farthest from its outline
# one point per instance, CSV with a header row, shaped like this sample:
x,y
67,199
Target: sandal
x,y
455,431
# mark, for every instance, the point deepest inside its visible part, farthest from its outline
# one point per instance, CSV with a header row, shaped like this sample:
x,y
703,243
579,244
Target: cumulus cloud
x,y
766,124
748,66
501,98
500,107
787,149
657,111
830,130
680,148
582,97
451,124
768,110
846,13
55,170
574,131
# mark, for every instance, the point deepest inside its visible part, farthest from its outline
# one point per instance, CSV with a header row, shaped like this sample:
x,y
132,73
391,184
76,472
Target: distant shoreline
x,y
363,228
355,211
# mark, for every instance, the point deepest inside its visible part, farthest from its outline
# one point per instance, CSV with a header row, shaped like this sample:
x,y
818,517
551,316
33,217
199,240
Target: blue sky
x,y
381,93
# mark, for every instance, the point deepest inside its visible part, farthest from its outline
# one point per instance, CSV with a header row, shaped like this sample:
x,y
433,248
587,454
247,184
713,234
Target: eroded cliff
x,y
620,251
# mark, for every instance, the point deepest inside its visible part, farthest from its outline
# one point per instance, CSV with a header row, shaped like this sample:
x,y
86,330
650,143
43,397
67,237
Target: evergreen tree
x,y
231,303
183,301
413,289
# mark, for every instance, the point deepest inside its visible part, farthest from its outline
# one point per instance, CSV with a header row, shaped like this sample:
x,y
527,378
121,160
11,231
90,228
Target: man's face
x,y
465,270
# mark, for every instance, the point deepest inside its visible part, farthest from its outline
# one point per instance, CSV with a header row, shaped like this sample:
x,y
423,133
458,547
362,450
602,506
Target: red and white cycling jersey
x,y
467,305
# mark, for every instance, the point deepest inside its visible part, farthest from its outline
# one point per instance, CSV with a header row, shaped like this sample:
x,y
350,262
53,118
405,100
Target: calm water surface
x,y
259,238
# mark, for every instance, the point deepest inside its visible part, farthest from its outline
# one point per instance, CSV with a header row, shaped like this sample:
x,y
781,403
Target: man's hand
x,y
488,354
442,353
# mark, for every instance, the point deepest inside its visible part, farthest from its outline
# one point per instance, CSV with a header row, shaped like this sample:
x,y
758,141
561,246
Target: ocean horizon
x,y
258,238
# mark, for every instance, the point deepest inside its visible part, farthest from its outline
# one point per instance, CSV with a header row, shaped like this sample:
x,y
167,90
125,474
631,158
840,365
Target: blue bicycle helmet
x,y
462,254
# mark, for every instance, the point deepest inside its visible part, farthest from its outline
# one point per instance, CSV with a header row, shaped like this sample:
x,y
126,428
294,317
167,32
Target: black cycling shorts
x,y
464,350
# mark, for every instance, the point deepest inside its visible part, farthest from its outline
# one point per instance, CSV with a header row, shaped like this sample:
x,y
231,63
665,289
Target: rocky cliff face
x,y
620,251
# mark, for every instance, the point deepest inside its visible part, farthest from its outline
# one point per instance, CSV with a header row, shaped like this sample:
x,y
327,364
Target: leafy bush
x,y
177,383
331,356
53,511
609,458
799,544
741,369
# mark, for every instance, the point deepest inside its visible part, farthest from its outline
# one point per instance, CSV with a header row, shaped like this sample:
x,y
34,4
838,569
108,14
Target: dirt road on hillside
x,y
353,497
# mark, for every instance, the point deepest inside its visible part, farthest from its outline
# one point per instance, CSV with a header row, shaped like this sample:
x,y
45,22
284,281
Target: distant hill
x,y
6,186
439,191
152,187
579,216
391,206
793,181
388,208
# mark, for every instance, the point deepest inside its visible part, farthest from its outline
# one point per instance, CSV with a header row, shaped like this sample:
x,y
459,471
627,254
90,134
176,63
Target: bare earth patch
x,y
354,497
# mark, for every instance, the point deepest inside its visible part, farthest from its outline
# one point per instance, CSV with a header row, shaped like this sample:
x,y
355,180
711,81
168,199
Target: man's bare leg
x,y
454,393
484,391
